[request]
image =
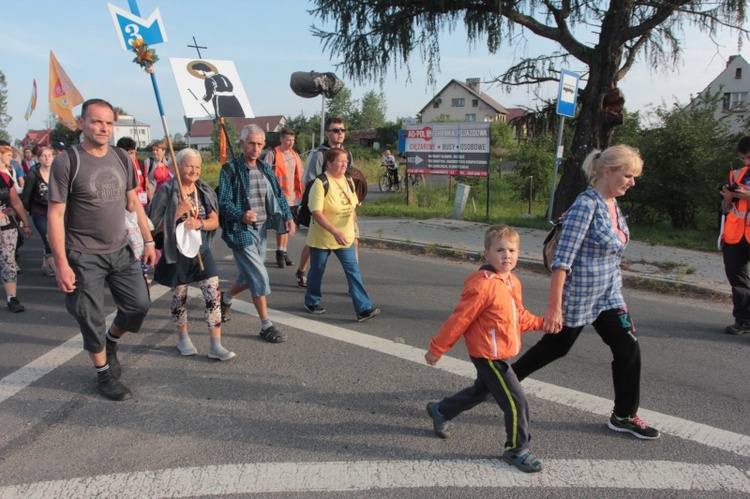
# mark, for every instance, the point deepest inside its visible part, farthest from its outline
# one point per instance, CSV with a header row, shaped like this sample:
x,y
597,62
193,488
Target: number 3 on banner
x,y
133,31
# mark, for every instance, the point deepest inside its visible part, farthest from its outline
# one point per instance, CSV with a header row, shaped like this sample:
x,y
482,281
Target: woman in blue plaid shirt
x,y
586,285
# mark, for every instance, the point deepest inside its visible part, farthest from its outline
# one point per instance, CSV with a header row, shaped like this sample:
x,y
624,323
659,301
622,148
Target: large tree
x,y
606,38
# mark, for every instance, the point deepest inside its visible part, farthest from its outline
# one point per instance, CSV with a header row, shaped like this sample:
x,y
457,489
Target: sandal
x,y
301,279
272,335
524,461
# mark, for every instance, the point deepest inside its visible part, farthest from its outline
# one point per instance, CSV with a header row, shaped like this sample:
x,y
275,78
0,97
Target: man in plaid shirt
x,y
250,203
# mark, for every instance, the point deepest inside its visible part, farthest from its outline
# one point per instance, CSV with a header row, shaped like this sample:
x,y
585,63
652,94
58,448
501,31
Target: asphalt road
x,y
338,410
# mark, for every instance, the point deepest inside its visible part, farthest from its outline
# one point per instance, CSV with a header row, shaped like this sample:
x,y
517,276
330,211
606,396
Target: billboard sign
x,y
448,149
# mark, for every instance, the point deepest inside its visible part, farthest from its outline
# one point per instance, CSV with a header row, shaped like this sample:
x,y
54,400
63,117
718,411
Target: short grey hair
x,y
183,154
252,130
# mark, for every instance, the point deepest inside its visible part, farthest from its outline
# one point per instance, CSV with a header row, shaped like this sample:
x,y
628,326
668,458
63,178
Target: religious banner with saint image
x,y
210,88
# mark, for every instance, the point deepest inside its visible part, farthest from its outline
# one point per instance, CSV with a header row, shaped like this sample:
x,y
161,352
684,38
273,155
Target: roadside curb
x,y
630,279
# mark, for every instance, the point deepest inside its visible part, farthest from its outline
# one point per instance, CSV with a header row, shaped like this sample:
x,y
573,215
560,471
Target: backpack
x,y
550,244
304,216
303,211
230,171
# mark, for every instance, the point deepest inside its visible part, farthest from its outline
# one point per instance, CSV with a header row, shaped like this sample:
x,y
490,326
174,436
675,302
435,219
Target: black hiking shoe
x,y
112,388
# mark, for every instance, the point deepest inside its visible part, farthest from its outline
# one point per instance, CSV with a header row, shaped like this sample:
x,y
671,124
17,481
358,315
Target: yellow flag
x,y
63,95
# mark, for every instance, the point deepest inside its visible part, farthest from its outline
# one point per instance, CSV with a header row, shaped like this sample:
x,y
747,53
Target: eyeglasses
x,y
337,130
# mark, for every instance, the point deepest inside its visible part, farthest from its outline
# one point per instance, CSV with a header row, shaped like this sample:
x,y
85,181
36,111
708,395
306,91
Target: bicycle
x,y
386,183
414,178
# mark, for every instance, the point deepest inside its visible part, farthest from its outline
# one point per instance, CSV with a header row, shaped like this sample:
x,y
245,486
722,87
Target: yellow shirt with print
x,y
337,206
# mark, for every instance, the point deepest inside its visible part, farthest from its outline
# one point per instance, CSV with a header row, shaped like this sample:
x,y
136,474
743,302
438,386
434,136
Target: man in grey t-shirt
x,y
86,231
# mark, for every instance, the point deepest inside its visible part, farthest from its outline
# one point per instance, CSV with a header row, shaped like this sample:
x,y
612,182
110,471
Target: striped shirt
x,y
233,203
590,251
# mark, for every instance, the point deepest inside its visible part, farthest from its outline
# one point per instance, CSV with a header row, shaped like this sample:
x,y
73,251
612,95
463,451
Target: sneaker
x,y
315,309
301,279
524,461
222,355
272,335
288,260
226,310
112,388
440,425
114,364
368,314
49,272
738,328
280,261
15,306
635,426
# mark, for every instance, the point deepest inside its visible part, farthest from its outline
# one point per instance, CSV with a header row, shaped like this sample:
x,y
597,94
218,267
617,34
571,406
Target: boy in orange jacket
x,y
490,316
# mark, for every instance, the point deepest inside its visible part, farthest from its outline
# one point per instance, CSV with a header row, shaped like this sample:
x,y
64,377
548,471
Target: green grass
x,y
433,202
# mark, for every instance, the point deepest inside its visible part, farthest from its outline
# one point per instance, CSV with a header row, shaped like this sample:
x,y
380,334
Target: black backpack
x,y
303,211
227,167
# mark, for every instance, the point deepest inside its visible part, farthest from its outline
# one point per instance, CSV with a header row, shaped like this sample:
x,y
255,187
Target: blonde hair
x,y
620,157
498,232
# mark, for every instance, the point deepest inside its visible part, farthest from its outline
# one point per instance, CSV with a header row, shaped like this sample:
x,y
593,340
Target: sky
x,y
268,41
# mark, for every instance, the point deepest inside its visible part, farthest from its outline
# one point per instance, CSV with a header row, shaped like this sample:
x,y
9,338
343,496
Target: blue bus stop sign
x,y
567,95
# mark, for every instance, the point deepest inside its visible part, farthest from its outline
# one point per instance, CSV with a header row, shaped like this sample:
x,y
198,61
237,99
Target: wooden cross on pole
x,y
197,48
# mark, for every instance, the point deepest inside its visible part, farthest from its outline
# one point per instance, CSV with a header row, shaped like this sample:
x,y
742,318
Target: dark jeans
x,y
394,176
737,268
615,327
40,222
495,378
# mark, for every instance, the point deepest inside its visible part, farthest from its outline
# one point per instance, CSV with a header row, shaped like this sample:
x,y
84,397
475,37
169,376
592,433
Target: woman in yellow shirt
x,y
332,230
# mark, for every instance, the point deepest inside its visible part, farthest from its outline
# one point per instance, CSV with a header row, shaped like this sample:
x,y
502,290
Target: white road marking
x,y
254,478
683,428
20,379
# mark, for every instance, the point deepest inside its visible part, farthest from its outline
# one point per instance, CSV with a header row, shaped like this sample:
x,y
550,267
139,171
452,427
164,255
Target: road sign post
x,y
567,95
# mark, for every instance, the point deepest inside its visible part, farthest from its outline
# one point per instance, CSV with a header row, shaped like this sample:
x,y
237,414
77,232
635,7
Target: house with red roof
x,y
199,136
37,138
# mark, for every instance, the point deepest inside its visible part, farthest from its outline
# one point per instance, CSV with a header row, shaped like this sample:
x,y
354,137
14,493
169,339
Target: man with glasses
x,y
335,134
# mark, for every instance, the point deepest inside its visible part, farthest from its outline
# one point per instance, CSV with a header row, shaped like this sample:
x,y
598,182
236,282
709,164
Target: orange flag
x,y
63,95
222,143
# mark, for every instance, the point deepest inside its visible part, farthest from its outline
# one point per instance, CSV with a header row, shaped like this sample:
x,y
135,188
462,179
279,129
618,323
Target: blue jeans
x,y
40,222
348,259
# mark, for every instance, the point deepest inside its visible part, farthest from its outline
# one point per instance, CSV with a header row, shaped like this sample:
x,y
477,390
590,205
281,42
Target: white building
x,y
460,101
463,102
734,85
127,126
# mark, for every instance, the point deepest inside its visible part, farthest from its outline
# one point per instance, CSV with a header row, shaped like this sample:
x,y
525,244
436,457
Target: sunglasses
x,y
337,130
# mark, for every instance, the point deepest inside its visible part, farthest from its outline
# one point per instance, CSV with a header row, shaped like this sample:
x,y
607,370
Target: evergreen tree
x,y
4,116
371,113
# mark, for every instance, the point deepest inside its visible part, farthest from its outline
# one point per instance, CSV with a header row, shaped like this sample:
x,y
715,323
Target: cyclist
x,y
390,163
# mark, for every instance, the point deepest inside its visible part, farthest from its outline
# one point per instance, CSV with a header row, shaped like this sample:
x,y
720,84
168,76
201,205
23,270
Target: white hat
x,y
188,241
